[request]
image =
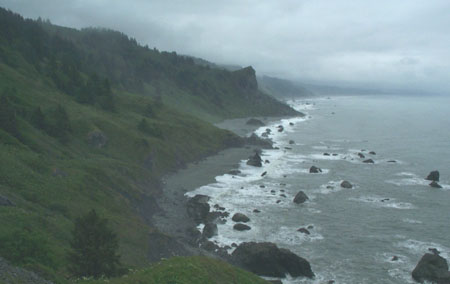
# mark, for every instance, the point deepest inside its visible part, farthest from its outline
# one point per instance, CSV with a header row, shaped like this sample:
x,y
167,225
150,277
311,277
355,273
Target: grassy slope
x,y
186,270
112,179
118,179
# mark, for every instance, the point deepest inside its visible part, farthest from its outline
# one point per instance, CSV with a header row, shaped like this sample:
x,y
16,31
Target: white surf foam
x,y
419,247
377,201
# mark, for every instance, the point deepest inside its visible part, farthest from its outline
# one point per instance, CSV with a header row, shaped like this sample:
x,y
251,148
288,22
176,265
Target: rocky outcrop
x,y
315,170
12,274
435,184
372,153
161,246
369,161
433,268
258,141
266,259
346,184
300,197
255,160
198,208
241,227
433,176
361,155
97,139
239,217
4,201
255,122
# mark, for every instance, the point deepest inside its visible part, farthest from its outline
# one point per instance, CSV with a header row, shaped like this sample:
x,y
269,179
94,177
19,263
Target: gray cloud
x,y
400,43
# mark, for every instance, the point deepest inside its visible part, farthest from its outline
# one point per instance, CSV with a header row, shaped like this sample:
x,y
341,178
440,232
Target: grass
x,y
186,270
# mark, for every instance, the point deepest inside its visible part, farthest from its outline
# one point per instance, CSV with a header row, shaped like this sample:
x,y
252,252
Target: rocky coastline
x,y
179,216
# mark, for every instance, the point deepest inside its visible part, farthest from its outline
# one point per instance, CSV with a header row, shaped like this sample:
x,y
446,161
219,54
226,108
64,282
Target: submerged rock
x,y
291,142
300,197
372,153
266,259
361,155
326,154
315,170
241,227
433,268
346,184
304,231
435,184
433,176
239,217
369,161
234,172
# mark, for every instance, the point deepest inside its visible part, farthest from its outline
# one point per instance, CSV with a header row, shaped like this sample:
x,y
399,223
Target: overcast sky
x,y
395,43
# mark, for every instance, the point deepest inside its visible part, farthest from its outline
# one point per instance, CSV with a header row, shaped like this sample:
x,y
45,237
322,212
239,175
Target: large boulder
x,y
255,122
300,197
198,208
266,259
255,160
239,217
433,268
210,230
433,176
315,170
346,184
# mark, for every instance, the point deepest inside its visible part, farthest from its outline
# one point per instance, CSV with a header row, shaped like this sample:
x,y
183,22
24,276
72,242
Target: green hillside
x,y
91,119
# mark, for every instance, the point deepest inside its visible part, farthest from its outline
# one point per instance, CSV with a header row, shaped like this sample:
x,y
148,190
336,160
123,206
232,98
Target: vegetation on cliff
x,y
91,119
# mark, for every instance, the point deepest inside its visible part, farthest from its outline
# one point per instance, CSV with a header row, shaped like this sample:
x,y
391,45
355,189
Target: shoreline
x,y
172,218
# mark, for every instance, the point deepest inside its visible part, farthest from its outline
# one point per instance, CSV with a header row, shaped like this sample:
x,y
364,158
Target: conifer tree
x,y
94,248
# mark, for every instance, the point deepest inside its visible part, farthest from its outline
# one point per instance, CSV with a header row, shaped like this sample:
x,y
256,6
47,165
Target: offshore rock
x,y
433,176
239,217
315,170
300,197
433,268
255,160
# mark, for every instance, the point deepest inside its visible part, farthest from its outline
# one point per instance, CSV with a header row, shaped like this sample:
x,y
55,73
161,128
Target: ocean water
x,y
354,233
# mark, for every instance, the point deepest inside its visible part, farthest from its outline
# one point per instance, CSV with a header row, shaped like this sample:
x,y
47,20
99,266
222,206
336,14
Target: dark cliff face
x,y
246,79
